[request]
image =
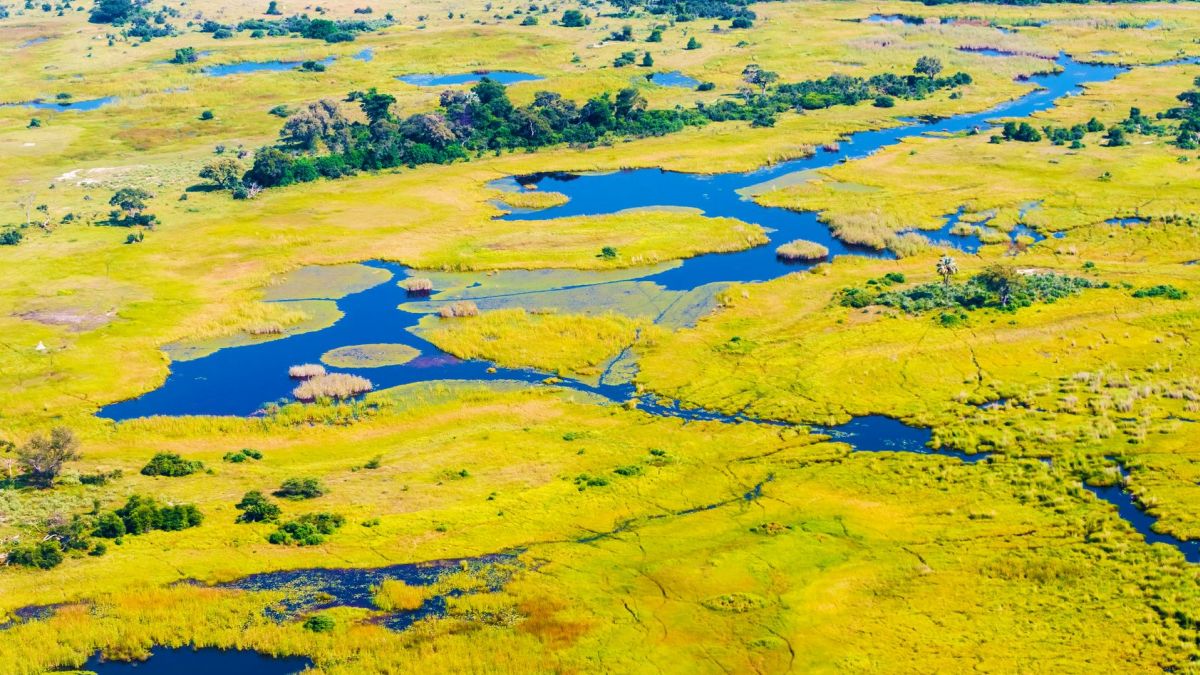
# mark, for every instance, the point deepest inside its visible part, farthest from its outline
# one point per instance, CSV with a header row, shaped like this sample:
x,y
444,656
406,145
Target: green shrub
x,y
171,464
309,529
242,455
1161,291
142,514
43,555
11,237
300,488
256,508
319,623
100,477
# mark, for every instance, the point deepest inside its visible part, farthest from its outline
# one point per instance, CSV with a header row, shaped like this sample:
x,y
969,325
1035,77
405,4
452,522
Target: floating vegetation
x,y
370,356
336,385
306,371
417,285
461,308
802,249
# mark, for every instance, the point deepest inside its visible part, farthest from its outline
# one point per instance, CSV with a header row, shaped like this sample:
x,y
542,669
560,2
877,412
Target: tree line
x,y
320,141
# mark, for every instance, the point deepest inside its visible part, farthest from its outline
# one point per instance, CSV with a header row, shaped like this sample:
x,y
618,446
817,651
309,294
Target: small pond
x,y
674,79
247,67
895,18
501,76
68,105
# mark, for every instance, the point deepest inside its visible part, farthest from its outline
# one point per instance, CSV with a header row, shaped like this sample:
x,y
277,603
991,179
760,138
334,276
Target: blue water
x,y
1128,509
1126,222
877,433
1000,53
30,613
318,588
367,54
674,79
501,76
246,67
77,106
895,18
32,41
189,661
972,242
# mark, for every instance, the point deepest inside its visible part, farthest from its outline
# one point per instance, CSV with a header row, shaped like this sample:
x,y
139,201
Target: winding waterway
x,y
239,380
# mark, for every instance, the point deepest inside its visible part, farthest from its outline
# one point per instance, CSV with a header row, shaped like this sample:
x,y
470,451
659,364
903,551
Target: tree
x,y
928,66
185,55
429,128
256,508
273,8
647,60
42,458
131,206
754,75
629,101
946,267
375,106
1116,136
693,43
319,122
226,173
113,11
1001,280
573,18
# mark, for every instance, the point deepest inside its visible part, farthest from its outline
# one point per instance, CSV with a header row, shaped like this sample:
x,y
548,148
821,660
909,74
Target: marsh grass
x,y
334,385
460,309
532,199
417,285
393,595
306,371
801,249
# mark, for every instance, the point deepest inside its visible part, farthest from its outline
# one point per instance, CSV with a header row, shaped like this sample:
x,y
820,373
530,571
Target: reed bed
x,y
393,595
306,371
417,285
459,309
332,386
802,249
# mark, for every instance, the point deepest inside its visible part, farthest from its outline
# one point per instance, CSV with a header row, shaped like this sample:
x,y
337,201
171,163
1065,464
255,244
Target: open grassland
x,y
567,344
792,576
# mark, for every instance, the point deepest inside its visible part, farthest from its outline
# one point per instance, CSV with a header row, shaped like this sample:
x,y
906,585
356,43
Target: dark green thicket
x,y
309,529
171,464
485,120
997,287
142,514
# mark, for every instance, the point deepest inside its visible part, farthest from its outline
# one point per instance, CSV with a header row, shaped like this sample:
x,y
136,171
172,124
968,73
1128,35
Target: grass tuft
x,y
335,385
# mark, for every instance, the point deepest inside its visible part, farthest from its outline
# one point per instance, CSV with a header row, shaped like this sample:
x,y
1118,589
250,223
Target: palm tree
x,y
947,268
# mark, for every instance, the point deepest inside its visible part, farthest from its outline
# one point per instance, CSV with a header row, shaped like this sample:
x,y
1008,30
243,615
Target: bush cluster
x,y
172,465
997,287
309,529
